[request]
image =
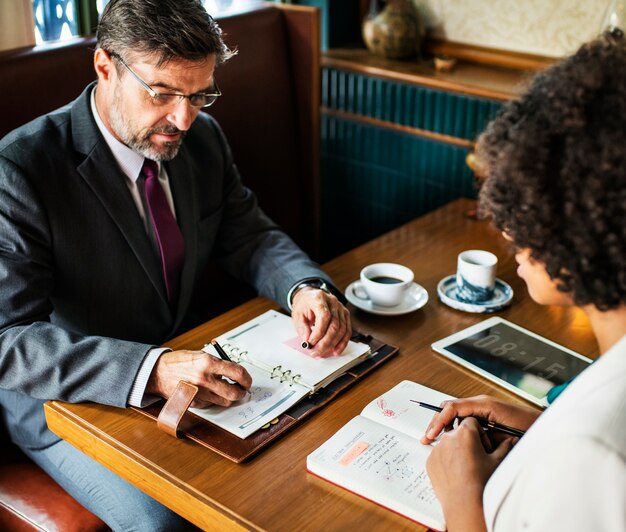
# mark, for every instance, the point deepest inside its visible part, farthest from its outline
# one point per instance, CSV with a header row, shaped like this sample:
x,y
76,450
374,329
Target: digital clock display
x,y
523,361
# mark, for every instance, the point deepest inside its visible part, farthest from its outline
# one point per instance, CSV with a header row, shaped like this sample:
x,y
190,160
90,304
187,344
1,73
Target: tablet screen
x,y
514,356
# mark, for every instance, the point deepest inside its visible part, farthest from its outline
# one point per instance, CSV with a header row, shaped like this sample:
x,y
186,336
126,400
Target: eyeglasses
x,y
198,100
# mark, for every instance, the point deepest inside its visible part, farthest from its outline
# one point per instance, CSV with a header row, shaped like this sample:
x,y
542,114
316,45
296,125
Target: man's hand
x,y
203,370
321,320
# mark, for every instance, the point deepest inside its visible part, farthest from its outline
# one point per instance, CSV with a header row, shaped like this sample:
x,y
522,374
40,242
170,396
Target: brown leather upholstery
x,y
34,81
271,98
31,500
269,113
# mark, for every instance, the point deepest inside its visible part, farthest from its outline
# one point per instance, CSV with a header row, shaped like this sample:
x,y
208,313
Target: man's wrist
x,y
140,395
316,283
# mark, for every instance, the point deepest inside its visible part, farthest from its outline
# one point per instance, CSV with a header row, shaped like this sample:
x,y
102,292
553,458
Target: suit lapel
x,y
182,185
103,176
107,181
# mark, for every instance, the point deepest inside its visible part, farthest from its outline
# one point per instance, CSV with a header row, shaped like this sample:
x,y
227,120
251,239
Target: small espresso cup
x,y
384,283
476,275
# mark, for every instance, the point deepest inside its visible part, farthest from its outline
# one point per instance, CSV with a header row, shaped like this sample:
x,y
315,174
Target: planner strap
x,y
175,408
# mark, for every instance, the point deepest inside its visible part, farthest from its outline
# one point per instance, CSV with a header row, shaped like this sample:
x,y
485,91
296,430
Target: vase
x,y
392,28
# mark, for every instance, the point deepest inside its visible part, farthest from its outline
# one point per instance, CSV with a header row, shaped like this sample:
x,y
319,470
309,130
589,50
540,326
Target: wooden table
x,y
273,491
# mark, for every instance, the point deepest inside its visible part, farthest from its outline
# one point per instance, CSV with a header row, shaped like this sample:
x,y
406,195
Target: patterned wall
x,y
545,27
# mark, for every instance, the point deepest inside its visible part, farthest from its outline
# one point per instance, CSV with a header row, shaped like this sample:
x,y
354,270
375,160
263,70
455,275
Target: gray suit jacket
x,y
82,294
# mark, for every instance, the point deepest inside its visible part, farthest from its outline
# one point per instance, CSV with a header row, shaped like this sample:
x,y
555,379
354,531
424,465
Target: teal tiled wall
x,y
434,110
375,178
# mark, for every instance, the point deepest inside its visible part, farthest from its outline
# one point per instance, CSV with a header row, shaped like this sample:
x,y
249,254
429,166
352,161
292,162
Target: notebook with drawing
x,y
378,455
282,372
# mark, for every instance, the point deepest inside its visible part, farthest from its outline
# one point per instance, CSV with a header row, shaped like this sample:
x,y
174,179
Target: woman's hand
x,y
459,467
484,406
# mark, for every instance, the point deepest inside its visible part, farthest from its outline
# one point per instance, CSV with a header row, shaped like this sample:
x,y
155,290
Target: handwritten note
x,y
370,457
261,405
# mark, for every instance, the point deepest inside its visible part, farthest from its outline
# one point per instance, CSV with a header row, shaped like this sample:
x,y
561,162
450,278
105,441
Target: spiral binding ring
x,y
235,352
275,372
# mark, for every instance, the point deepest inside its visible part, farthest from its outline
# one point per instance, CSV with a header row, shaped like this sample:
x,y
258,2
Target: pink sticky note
x,y
296,343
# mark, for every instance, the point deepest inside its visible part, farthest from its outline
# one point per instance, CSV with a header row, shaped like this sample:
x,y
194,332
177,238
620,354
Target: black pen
x,y
220,351
224,356
484,423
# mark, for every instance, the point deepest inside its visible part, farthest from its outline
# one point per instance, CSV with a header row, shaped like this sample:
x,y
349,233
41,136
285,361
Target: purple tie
x,y
168,235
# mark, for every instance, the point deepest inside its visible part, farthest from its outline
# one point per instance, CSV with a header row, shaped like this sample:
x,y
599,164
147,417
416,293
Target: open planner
x,y
288,385
282,371
378,455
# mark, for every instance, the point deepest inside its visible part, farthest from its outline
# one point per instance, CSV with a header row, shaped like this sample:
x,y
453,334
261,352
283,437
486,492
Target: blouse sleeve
x,y
578,483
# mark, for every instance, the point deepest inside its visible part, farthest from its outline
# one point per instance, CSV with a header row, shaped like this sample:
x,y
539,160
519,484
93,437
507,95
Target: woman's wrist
x,y
463,510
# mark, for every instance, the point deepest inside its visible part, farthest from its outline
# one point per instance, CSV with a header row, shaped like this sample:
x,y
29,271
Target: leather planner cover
x,y
237,449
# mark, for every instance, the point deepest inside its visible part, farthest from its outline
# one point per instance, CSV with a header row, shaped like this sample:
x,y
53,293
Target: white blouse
x,y
568,472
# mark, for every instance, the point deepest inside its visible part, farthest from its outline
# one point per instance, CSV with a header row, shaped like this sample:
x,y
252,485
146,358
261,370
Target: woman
x,y
556,187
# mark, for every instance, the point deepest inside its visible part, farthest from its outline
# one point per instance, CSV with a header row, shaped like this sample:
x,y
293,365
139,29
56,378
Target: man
x,y
110,209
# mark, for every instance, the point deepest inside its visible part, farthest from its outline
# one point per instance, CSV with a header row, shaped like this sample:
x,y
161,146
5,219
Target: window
x,y
223,6
54,19
100,5
64,19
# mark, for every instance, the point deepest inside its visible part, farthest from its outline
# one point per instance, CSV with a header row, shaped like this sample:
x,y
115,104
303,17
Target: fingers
x,y
321,320
303,323
323,315
215,389
455,468
218,391
503,449
338,332
442,420
203,370
481,406
220,368
486,441
469,434
459,466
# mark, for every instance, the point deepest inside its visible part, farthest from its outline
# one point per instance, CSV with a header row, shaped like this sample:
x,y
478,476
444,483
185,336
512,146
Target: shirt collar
x,y
129,161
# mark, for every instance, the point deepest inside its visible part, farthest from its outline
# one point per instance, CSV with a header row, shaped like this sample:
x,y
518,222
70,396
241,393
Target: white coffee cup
x,y
384,283
476,275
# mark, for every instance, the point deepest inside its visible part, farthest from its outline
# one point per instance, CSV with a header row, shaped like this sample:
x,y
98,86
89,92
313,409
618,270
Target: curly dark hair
x,y
555,162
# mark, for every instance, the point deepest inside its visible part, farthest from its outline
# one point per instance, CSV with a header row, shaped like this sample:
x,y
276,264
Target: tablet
x,y
517,359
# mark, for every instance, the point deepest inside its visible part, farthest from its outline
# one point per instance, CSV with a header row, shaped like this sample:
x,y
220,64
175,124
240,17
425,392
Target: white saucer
x,y
447,291
416,297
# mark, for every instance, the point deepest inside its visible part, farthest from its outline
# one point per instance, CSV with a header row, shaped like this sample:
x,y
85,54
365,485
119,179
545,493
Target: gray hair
x,y
171,29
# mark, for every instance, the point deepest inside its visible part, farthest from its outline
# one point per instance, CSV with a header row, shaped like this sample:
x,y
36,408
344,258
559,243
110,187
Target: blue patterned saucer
x,y
448,294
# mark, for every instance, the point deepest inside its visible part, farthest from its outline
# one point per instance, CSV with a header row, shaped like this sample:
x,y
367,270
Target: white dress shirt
x,y
131,164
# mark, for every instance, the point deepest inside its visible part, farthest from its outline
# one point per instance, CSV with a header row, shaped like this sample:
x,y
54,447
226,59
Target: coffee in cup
x,y
476,275
384,283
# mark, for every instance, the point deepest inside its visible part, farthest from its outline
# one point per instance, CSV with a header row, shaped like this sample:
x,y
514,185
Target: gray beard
x,y
140,142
